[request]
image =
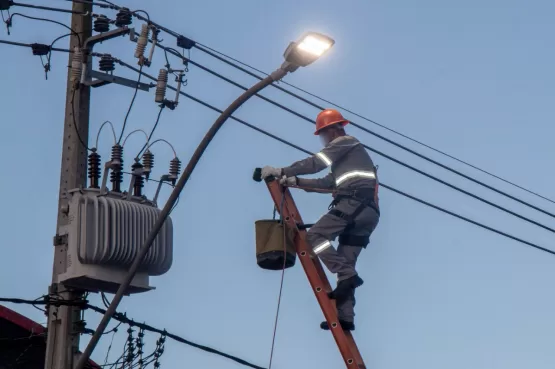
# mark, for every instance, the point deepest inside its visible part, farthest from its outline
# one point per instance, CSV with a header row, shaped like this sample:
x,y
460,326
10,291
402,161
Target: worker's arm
x,y
334,151
314,184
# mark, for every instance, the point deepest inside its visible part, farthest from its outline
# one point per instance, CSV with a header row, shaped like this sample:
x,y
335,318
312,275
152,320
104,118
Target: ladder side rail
x,y
316,276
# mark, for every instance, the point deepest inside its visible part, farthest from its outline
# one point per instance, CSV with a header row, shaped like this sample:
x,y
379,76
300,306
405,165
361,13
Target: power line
x,y
206,49
152,131
75,121
10,23
175,337
211,51
400,162
130,105
125,320
391,141
22,44
310,153
290,144
23,5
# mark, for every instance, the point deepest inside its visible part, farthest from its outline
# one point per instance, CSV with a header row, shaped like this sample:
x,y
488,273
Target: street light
x,y
304,52
298,54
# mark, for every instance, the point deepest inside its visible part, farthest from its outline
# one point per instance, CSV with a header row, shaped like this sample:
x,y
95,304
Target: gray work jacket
x,y
351,166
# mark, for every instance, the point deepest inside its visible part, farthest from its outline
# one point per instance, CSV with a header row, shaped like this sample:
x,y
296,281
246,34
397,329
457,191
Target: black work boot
x,y
347,326
345,288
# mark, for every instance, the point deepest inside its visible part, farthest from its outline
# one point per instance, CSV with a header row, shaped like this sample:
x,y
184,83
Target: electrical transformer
x,y
104,234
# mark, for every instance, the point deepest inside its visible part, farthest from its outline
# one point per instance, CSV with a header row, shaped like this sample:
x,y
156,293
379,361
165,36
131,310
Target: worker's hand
x,y
288,181
269,171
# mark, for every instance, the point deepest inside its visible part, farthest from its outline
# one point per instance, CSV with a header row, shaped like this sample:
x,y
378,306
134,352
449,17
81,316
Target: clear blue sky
x,y
473,78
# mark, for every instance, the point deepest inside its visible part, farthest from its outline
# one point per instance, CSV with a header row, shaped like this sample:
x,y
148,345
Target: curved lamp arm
x,y
275,76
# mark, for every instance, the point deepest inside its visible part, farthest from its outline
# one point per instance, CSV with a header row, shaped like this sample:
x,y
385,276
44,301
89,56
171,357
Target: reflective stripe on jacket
x,y
350,164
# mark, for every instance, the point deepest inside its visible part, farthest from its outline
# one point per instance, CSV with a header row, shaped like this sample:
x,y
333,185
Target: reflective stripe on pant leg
x,y
320,237
321,247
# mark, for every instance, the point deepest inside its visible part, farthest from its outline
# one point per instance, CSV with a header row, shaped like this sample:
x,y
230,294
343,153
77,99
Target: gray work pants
x,y
343,260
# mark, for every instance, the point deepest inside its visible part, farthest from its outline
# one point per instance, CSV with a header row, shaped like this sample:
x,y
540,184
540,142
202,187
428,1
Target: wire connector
x,y
5,4
40,49
185,43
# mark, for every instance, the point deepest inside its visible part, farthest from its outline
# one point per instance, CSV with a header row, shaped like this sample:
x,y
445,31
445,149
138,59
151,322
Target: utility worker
x,y
354,213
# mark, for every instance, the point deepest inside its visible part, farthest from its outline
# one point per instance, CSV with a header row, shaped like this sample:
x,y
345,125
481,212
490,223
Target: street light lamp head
x,y
305,51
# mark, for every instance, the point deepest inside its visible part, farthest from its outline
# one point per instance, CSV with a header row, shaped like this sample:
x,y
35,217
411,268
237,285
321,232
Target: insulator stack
x,y
139,180
142,41
161,86
107,63
116,175
148,163
94,169
130,347
175,168
76,64
101,24
124,17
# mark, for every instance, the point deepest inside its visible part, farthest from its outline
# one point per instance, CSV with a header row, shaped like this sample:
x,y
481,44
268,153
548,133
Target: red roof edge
x,y
27,324
20,320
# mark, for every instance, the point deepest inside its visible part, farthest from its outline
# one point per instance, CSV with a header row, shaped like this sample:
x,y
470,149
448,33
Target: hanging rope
x,y
283,226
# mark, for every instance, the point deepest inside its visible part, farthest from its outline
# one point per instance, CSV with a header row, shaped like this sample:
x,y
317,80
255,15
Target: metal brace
x,y
102,79
60,240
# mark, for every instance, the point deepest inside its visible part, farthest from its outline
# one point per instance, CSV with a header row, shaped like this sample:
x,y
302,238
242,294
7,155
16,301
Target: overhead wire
x,y
23,44
373,133
174,337
166,142
149,137
125,320
2,15
40,7
47,67
130,105
100,5
10,20
74,90
100,130
394,190
304,117
132,132
268,134
205,49
211,51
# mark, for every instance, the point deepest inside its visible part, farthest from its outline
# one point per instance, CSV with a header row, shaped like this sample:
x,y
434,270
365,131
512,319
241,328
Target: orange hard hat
x,y
327,117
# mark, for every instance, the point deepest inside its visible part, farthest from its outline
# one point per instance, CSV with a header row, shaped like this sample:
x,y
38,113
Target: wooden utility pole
x,y
63,330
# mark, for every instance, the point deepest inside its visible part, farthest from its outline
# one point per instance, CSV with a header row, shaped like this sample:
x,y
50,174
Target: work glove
x,y
288,181
269,171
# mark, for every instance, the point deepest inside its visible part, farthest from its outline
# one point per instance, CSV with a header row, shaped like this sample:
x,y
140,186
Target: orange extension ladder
x,y
315,273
